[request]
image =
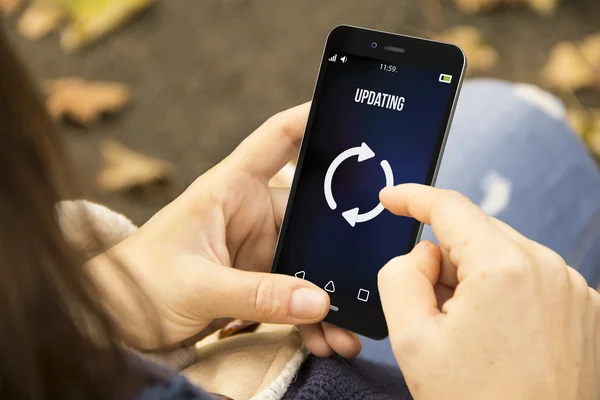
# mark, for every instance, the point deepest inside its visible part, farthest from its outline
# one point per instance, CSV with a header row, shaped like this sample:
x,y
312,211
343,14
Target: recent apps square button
x,y
363,295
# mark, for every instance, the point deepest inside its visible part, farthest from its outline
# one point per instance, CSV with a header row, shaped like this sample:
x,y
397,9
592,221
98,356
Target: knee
x,y
492,111
496,96
543,100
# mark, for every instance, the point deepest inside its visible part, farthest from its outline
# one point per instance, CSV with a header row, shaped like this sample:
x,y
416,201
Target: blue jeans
x,y
512,152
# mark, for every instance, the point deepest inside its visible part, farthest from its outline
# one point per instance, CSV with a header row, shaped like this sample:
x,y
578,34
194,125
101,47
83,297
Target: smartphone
x,y
380,116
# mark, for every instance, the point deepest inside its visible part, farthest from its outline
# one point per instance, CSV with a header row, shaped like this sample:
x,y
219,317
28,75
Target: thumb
x,y
263,297
406,286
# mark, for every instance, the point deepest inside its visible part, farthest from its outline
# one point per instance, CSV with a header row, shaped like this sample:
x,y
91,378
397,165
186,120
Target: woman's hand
x,y
489,314
207,255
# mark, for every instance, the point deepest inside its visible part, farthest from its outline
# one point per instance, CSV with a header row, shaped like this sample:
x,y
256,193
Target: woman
x,y
205,255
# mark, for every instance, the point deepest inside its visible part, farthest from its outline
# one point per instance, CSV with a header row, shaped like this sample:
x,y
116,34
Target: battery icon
x,y
445,78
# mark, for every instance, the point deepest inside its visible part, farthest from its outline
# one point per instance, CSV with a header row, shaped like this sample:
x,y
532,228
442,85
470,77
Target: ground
x,y
206,73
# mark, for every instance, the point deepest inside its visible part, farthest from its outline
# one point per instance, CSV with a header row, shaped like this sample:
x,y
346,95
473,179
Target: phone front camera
x,y
374,45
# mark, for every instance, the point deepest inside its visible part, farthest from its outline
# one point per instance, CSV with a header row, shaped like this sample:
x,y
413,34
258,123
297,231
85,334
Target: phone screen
x,y
375,124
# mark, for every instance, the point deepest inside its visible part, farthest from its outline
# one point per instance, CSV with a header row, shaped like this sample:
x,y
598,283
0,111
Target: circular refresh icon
x,y
364,153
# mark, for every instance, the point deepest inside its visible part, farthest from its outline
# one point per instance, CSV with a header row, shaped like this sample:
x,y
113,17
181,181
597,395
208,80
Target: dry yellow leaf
x,y
593,143
546,7
590,49
587,124
84,101
579,120
7,7
567,70
480,56
39,19
92,19
595,124
476,6
126,169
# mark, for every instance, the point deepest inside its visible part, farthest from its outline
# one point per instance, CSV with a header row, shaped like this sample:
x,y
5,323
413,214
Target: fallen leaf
x,y
593,143
579,120
83,101
544,7
39,19
237,327
7,7
594,128
587,125
567,69
476,6
126,169
480,56
590,49
92,19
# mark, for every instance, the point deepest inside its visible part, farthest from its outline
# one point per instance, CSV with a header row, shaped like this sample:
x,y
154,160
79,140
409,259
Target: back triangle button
x,y
330,287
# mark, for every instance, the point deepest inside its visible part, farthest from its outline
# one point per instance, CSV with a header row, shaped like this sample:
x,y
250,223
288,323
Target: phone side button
x,y
334,308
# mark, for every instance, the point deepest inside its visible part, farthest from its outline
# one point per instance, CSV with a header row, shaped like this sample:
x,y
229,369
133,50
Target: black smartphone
x,y
380,116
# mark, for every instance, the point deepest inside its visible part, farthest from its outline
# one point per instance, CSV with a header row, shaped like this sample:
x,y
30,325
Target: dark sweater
x,y
326,379
338,378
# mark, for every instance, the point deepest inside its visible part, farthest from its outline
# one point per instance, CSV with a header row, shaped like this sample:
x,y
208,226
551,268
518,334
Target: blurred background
x,y
151,94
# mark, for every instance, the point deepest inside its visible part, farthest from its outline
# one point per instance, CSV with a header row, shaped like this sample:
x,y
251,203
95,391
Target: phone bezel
x,y
362,319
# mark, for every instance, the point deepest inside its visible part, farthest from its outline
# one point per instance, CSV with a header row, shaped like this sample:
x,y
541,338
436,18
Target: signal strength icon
x,y
333,58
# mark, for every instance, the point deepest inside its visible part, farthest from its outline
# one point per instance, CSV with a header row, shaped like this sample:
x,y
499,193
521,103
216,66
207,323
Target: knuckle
x,y
390,271
449,205
261,301
387,273
280,122
428,246
453,196
515,263
578,283
549,258
594,300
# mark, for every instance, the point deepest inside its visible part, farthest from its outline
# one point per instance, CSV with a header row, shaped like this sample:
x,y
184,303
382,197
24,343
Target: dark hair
x,y
47,302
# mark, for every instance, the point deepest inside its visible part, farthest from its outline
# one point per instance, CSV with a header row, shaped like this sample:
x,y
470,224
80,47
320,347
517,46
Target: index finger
x,y
273,144
462,228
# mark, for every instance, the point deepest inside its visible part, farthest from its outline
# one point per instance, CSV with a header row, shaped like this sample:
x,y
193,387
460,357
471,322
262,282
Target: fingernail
x,y
307,303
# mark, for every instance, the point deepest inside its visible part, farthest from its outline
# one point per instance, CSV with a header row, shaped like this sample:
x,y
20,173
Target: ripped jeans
x,y
512,152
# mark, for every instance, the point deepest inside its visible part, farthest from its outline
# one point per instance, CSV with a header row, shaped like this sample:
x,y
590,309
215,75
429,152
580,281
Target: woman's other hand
x,y
489,314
